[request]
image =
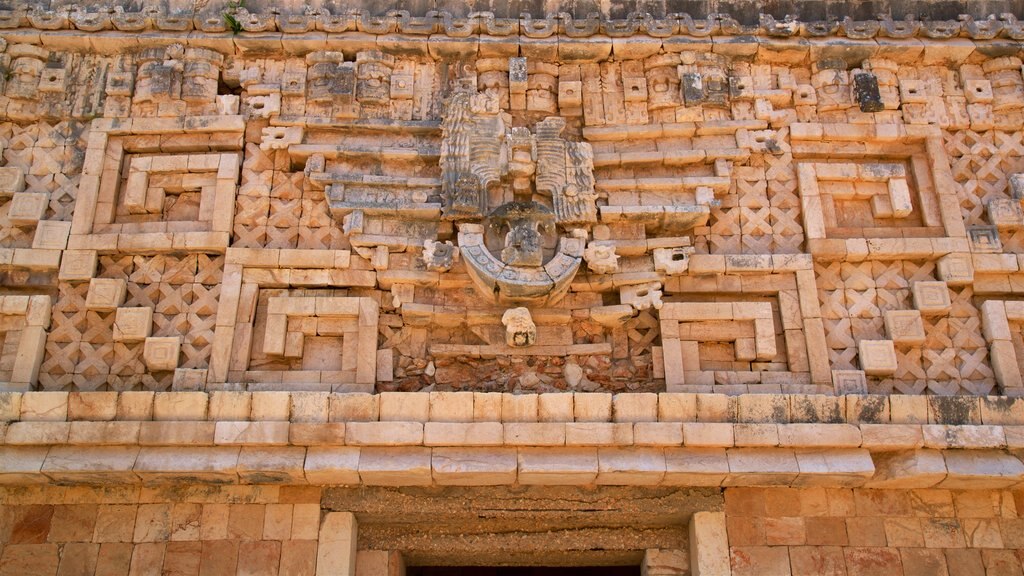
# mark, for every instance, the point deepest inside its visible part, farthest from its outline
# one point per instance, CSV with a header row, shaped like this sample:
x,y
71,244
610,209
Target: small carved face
x,y
524,244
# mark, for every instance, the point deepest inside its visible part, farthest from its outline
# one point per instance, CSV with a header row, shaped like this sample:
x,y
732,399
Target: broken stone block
x,y
12,180
133,324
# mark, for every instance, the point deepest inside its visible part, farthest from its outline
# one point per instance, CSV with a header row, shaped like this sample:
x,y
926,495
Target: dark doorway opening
x,y
522,571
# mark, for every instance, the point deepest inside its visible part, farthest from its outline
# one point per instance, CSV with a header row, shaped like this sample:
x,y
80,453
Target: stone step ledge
x,y
872,437
464,407
425,466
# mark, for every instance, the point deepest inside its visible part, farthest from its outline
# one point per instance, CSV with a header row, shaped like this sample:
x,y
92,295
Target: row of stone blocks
x,y
874,437
489,466
550,45
504,407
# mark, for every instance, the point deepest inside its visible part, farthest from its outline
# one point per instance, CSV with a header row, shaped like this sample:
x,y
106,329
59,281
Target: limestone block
x,y
695,466
908,469
634,407
592,407
10,406
169,406
380,562
932,298
255,433
22,464
336,548
899,197
93,464
92,406
463,434
105,294
78,265
819,435
12,180
572,466
187,433
849,467
555,407
487,406
956,269
981,470
994,325
176,464
519,408
51,235
1003,357
968,437
657,434
762,408
27,208
354,407
407,466
309,407
37,433
270,406
604,434
474,466
28,357
404,406
135,405
887,437
332,465
161,353
709,544
850,381
384,433
271,465
904,327
534,434
630,466
316,433
707,434
104,433
230,405
133,324
679,407
877,357
451,406
44,406
761,467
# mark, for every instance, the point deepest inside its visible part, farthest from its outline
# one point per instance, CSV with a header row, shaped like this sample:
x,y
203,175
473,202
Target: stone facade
x,y
345,292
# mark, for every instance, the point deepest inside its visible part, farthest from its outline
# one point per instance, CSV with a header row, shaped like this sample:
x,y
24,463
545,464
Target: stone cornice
x,y
434,22
488,439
